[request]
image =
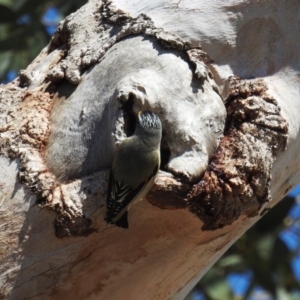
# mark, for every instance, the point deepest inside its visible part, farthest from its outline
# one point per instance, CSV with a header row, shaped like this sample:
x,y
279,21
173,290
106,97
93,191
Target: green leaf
x,y
5,2
231,260
264,247
282,294
5,59
219,291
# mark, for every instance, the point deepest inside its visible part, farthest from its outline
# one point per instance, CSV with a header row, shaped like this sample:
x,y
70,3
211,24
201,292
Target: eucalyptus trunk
x,y
223,76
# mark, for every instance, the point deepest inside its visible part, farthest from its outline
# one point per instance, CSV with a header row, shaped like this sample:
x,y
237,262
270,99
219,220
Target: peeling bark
x,y
63,117
87,124
239,175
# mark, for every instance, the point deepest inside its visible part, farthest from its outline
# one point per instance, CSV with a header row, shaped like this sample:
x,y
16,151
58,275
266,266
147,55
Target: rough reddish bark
x,y
238,178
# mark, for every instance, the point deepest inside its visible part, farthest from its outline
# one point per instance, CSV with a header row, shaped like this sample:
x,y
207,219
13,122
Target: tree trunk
x,y
224,80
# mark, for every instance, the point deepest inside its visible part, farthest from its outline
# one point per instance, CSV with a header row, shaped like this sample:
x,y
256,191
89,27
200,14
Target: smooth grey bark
x,y
63,117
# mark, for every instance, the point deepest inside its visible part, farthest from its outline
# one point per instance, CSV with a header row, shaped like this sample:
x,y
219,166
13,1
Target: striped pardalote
x,y
134,168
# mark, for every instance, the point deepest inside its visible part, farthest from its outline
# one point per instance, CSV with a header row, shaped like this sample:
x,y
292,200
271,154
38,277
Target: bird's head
x,y
148,123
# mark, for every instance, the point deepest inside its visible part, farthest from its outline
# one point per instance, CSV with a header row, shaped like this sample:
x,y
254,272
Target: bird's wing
x,y
120,196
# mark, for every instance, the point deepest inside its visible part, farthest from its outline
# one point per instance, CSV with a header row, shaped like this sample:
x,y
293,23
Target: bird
x,y
135,166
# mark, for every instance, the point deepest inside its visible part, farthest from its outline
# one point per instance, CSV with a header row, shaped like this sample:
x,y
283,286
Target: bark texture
x,y
238,179
63,117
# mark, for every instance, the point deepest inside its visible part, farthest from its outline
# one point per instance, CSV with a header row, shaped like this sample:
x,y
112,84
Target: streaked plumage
x,y
135,166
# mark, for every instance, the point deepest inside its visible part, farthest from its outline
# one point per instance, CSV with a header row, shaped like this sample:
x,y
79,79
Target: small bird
x,y
135,166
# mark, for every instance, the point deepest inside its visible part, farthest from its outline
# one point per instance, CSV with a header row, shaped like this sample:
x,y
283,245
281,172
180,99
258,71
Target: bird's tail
x,y
121,222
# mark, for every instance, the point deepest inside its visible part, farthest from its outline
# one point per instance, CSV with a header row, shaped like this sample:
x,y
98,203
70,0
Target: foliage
x,y
23,31
261,254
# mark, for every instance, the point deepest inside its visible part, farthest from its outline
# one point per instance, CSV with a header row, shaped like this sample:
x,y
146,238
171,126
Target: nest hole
x,y
129,117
